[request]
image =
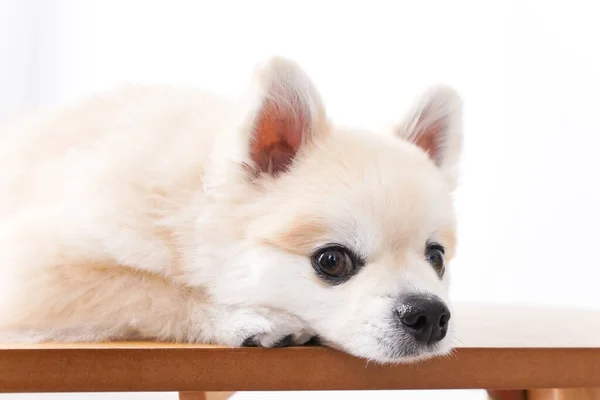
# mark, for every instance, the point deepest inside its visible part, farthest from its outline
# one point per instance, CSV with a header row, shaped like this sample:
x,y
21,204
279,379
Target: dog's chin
x,y
406,353
409,355
418,354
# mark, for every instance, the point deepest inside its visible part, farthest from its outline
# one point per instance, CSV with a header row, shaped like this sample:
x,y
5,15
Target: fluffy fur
x,y
172,214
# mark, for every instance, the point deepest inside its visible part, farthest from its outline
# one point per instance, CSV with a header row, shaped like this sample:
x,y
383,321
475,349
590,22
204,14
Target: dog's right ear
x,y
435,126
284,116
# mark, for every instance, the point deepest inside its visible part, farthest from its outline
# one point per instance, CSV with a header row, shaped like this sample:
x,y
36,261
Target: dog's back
x,y
96,182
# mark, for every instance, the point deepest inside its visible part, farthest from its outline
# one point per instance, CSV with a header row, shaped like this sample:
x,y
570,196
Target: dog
x,y
172,214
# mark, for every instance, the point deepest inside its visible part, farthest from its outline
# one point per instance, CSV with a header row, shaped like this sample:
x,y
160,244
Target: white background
x,y
529,73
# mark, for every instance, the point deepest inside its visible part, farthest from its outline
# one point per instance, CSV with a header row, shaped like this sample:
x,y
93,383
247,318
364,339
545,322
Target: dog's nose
x,y
424,317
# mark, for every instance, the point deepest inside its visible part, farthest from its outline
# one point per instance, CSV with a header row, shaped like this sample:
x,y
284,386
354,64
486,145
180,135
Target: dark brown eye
x,y
435,256
334,263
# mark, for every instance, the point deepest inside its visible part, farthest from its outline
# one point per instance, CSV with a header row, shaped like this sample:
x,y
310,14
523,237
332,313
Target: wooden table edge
x,y
155,367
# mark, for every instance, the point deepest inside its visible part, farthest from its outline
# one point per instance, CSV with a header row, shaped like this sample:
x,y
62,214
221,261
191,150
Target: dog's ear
x,y
285,115
435,125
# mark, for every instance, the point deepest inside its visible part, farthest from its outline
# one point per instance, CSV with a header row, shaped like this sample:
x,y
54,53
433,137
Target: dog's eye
x,y
435,256
334,263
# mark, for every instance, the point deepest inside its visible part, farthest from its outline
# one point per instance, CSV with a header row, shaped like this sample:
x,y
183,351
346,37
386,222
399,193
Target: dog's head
x,y
350,231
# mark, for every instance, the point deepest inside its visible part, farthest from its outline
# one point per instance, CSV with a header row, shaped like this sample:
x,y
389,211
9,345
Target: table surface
x,y
498,347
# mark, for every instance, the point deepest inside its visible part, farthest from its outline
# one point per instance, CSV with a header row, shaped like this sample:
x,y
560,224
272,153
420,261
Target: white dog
x,y
177,215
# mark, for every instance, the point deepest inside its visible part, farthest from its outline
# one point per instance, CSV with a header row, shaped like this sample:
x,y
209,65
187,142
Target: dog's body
x,y
178,215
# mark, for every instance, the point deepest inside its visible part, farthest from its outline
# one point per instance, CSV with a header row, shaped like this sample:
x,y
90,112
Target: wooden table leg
x,y
564,394
205,395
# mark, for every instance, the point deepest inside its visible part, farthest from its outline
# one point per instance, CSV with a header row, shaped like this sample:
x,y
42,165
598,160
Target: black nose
x,y
424,317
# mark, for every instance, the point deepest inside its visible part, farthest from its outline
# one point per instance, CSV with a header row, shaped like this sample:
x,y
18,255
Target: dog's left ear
x,y
435,125
286,115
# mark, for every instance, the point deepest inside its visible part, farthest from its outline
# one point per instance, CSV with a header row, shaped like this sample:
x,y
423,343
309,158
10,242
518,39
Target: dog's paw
x,y
277,330
275,339
257,327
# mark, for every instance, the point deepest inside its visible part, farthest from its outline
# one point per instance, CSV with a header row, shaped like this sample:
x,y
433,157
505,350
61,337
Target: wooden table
x,y
506,350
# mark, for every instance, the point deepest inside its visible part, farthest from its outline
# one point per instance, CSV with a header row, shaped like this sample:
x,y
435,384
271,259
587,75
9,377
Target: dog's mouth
x,y
405,348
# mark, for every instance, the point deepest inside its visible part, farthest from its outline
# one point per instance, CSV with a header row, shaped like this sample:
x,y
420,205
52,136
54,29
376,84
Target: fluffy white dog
x,y
177,215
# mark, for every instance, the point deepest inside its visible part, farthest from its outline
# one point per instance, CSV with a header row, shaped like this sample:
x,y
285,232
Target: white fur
x,y
134,215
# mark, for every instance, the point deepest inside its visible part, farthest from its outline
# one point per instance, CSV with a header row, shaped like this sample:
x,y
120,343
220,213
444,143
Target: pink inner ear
x,y
430,138
277,137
